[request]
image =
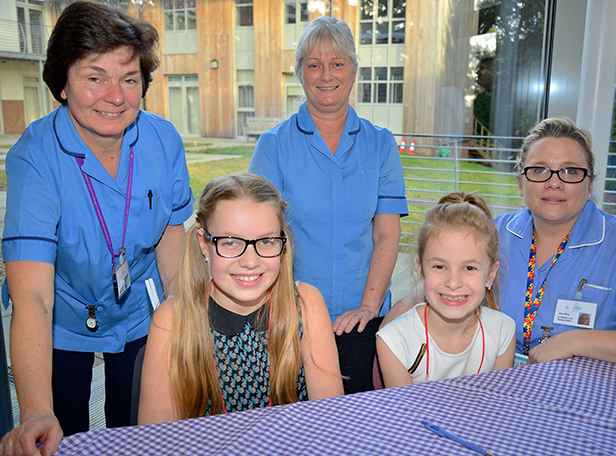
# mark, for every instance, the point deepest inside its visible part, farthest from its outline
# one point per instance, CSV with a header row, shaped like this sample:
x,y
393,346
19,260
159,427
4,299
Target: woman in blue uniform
x,y
558,265
98,193
343,180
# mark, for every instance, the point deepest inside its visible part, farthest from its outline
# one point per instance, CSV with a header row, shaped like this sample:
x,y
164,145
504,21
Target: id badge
x,y
121,278
579,314
520,360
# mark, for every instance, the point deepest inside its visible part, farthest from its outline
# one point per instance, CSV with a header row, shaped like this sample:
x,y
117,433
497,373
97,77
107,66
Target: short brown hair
x,y
84,29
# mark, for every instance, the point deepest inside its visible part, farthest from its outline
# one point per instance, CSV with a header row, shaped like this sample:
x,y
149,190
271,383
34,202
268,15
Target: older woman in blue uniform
x,y
343,179
558,253
98,193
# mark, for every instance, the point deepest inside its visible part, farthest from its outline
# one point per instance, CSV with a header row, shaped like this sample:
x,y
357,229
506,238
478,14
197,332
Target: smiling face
x,y
554,202
456,270
327,80
103,93
242,284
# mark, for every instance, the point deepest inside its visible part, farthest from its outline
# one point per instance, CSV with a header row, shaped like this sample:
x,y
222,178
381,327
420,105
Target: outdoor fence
x,y
437,164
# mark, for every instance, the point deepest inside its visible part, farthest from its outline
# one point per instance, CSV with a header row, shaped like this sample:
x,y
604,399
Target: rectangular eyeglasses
x,y
233,247
543,174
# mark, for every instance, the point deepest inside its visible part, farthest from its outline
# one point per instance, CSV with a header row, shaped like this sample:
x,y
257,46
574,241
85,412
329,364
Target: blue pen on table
x,y
438,431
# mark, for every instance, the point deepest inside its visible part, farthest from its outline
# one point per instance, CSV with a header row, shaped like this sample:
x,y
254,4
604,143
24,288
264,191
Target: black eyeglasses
x,y
233,247
544,174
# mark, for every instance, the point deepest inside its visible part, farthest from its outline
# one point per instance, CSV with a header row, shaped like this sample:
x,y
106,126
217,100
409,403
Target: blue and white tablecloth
x,y
559,408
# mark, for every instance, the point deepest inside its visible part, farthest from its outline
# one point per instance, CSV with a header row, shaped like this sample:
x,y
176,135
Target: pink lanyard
x,y
483,338
97,206
532,306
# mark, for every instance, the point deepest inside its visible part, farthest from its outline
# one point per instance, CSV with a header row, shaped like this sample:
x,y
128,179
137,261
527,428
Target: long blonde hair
x,y
463,210
194,383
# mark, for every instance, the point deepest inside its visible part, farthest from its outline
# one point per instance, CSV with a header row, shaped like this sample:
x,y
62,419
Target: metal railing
x,y
435,165
23,38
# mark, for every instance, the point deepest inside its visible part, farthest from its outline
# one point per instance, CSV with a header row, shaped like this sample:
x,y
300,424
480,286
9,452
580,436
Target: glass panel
x,y
364,92
382,32
244,15
397,32
192,105
380,73
248,76
21,21
305,15
176,114
365,33
381,93
246,96
191,78
180,20
506,54
396,93
167,4
175,78
396,73
36,30
191,3
192,20
398,8
290,12
179,4
382,8
35,2
367,9
365,74
168,21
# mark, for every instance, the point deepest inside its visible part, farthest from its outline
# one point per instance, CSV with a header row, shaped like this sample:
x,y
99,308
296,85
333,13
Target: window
x,y
296,12
180,26
374,85
382,21
30,24
296,20
244,12
245,98
183,96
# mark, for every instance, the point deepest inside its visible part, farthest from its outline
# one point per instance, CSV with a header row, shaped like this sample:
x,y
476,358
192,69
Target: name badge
x,y
121,278
520,360
579,314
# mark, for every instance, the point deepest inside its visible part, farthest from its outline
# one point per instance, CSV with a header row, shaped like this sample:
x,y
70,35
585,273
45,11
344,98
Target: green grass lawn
x,y
419,172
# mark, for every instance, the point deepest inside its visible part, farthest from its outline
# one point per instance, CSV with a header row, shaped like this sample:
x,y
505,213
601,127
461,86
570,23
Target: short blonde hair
x,y
327,29
558,127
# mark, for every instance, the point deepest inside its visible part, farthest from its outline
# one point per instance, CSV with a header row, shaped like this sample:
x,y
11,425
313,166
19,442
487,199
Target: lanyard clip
x,y
546,333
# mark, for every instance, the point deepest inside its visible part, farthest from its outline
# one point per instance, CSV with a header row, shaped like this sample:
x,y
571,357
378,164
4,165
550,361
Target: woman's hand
x,y
556,347
347,321
590,343
39,426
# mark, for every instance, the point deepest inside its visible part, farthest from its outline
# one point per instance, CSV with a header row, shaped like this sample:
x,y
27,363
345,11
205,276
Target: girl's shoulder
x,y
307,292
496,319
163,315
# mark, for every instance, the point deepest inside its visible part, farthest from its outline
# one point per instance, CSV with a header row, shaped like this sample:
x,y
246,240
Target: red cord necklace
x,y
269,326
483,338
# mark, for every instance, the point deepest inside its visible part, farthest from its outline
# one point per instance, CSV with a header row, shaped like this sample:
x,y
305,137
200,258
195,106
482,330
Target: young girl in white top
x,y
458,330
240,333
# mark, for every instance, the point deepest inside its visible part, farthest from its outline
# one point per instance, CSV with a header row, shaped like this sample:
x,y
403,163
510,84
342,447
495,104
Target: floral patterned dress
x,y
242,359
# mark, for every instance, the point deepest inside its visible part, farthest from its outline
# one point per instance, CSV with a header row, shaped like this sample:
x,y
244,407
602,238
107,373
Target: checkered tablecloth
x,y
559,408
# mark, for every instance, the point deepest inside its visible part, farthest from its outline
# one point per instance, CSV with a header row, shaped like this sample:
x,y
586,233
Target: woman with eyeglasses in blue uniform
x,y
558,253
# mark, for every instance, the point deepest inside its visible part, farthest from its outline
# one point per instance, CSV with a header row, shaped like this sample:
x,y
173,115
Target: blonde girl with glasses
x,y
239,333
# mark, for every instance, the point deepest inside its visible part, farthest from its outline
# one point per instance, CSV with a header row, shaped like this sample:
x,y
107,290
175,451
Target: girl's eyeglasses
x,y
233,247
